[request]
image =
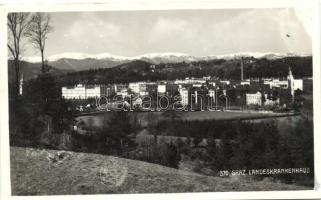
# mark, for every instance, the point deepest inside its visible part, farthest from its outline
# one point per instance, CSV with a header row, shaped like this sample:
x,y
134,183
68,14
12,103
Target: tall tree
x,y
120,128
17,26
38,30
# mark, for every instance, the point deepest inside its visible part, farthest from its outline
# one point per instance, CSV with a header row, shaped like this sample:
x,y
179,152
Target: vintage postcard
x,y
169,99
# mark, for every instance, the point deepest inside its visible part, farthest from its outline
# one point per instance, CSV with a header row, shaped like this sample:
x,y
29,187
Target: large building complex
x,y
206,90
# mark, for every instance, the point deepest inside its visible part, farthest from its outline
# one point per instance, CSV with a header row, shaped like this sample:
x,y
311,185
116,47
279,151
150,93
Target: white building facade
x,y
298,84
294,84
183,92
254,99
161,88
137,87
81,92
276,83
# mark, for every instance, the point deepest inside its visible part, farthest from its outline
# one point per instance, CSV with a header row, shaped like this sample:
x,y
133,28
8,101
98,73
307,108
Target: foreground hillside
x,y
49,172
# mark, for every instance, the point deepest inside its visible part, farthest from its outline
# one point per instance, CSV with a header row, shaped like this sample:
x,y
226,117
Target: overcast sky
x,y
194,32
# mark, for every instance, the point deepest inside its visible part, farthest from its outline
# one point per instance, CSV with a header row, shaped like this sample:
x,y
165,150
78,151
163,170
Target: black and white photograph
x,y
160,101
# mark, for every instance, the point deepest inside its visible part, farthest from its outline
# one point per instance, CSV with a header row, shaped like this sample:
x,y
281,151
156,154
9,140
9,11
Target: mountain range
x,y
73,62
156,58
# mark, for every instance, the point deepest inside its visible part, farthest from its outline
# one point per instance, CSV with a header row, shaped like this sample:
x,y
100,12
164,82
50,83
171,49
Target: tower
x,y
291,83
242,76
21,84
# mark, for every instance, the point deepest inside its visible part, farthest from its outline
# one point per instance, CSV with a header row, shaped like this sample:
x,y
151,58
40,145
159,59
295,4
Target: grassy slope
x,y
43,172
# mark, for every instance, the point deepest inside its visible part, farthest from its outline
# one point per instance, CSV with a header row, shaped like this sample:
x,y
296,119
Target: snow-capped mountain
x,y
73,62
160,57
81,61
75,56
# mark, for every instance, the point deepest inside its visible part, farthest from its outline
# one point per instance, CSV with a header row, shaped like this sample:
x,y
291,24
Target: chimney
x,y
242,76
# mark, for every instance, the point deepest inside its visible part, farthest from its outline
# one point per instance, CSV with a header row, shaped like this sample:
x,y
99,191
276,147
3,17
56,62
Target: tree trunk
x,y
16,63
42,63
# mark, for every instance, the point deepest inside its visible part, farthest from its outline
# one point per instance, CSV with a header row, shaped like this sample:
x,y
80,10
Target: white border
x,y
101,5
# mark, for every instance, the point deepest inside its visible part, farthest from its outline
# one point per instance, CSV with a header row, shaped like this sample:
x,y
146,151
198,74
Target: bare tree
x,y
37,32
17,25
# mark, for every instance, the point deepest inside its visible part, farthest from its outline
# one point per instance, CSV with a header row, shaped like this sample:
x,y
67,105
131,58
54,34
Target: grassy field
x,y
49,172
146,117
219,115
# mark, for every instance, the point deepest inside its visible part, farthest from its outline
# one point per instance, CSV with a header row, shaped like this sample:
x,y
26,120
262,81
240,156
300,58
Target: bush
x,y
162,153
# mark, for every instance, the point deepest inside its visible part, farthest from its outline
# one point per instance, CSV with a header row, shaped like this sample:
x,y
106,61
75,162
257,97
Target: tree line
x,y
224,69
245,145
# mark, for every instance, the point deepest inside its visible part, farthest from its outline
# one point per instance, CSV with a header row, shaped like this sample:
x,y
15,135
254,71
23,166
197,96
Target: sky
x,y
193,32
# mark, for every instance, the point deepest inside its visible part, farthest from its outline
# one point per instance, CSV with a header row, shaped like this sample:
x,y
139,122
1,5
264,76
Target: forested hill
x,y
139,70
31,70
